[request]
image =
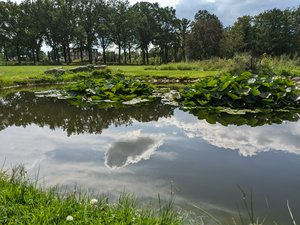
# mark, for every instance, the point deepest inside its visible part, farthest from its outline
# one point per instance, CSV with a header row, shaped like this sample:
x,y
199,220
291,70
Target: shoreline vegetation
x,y
11,76
22,201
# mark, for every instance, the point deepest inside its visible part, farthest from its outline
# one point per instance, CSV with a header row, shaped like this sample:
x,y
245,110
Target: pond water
x,y
154,149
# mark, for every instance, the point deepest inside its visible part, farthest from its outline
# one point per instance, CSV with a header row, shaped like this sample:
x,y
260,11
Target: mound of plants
x,y
116,89
245,91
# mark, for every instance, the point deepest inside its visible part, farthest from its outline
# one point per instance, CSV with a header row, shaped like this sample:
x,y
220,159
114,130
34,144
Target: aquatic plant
x,y
246,91
117,89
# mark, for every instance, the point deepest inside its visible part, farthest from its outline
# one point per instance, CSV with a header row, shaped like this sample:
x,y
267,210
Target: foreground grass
x,y
21,202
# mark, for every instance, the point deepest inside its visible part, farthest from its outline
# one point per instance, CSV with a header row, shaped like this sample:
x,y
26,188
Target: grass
x,y
21,75
22,202
283,65
153,72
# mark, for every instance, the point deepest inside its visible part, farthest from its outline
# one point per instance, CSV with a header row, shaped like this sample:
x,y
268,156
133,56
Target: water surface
x,y
155,148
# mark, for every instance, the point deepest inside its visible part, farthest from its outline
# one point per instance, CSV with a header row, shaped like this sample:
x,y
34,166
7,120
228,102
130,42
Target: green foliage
x,y
106,74
117,89
22,202
246,91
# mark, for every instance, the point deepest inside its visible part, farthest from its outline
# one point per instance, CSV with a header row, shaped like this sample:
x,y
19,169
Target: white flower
x,y
69,218
93,201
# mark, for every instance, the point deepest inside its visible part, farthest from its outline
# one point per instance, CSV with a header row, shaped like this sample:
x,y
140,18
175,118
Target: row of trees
x,y
85,24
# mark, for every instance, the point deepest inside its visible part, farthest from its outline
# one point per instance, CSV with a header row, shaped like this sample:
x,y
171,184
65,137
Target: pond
x,y
155,148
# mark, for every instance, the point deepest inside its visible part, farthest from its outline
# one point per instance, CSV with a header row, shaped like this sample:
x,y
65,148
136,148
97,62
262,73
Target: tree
x,y
296,30
118,21
205,37
14,26
273,33
34,28
183,34
166,31
238,38
102,28
87,21
145,27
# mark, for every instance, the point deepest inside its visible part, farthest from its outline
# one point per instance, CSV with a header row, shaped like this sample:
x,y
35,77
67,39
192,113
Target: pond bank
x,y
23,202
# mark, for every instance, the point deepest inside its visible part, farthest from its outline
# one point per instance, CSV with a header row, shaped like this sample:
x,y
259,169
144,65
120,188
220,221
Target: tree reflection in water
x,y
24,108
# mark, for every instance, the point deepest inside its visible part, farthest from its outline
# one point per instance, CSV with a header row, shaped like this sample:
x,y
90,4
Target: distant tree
x,y
34,28
102,28
4,34
118,21
183,35
296,30
87,22
205,37
166,31
238,38
14,26
145,27
273,32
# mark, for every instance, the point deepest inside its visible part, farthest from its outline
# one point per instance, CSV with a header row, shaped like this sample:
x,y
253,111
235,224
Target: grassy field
x,y
15,75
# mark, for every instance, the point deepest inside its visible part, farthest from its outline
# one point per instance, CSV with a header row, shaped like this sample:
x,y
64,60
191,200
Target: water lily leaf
x,y
255,91
201,102
212,83
225,85
265,94
233,96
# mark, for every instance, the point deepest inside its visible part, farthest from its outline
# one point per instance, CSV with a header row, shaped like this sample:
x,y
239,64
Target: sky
x,y
227,10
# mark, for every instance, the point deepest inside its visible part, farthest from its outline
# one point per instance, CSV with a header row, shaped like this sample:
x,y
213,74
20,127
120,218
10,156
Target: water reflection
x,y
123,153
247,118
22,109
248,141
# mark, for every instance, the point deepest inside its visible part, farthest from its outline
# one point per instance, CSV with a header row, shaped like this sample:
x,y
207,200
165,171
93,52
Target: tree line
x,y
144,28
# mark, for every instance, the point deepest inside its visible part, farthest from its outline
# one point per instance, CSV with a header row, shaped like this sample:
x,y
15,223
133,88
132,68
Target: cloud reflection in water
x,y
124,152
248,141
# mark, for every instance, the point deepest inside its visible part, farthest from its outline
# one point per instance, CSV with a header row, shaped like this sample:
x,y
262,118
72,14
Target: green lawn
x,y
14,75
150,71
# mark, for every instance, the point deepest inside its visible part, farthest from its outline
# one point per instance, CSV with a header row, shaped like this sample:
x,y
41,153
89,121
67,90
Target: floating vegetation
x,y
246,91
117,89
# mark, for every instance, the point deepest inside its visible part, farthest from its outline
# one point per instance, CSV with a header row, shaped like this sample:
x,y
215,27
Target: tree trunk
x,y
18,54
129,55
125,55
147,56
33,55
90,52
104,54
81,52
5,53
49,56
37,50
65,53
69,53
143,56
119,57
184,54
